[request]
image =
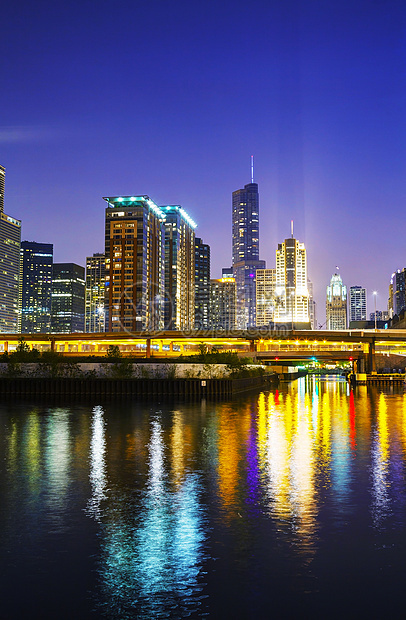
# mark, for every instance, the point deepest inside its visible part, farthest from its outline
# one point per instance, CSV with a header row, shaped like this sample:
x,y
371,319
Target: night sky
x,y
171,99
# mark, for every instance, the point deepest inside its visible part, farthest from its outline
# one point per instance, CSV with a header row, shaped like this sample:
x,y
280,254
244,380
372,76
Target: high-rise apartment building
x,y
399,291
36,263
223,304
358,303
10,240
246,252
179,269
68,298
202,284
291,294
390,298
265,296
134,250
312,305
95,293
336,304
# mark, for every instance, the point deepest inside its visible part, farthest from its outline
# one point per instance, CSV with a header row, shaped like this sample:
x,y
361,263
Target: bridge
x,y
359,346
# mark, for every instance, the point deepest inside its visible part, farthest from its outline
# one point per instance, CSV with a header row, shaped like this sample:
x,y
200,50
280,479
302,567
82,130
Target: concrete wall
x,y
142,371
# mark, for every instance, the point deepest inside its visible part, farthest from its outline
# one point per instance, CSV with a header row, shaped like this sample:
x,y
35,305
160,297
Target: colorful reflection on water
x,y
281,500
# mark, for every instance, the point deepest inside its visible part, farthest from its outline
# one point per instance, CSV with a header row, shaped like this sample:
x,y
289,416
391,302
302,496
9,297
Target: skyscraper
x,y
246,251
135,245
10,239
36,261
95,293
68,298
265,295
291,294
312,305
336,304
358,303
222,304
179,269
202,284
399,291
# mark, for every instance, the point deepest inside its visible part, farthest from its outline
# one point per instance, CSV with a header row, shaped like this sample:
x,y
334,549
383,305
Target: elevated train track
x,y
264,344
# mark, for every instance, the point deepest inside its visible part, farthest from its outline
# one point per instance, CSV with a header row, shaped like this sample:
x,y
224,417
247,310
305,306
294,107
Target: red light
x,y
276,359
350,359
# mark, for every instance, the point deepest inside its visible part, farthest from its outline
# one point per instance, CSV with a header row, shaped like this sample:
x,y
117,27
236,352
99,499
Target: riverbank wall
x,y
75,387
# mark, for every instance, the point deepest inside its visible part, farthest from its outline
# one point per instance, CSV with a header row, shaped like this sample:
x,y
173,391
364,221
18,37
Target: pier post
x,y
372,358
148,355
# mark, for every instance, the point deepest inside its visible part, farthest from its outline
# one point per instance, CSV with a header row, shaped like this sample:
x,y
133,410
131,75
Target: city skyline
x,y
319,105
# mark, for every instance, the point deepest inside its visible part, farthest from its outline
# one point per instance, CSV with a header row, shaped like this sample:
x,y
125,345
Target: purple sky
x,y
171,99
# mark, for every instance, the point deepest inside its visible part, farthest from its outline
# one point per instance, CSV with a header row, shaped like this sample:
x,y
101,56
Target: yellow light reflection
x,y
380,466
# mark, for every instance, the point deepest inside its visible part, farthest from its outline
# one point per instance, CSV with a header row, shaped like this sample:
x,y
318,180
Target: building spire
x,y
252,168
291,228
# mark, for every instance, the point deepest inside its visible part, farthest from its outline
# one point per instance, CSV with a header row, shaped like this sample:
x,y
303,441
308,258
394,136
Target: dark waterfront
x,y
289,503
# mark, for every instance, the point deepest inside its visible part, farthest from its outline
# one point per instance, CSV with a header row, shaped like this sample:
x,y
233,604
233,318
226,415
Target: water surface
x,y
282,504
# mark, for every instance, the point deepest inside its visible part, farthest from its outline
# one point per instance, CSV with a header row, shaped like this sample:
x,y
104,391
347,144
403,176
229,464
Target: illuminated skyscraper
x,y
358,303
336,304
36,261
135,245
291,293
222,304
312,305
10,239
68,298
399,291
246,252
202,284
265,295
95,293
179,269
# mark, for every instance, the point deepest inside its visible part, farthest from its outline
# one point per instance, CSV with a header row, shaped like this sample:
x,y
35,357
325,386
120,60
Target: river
x,y
281,504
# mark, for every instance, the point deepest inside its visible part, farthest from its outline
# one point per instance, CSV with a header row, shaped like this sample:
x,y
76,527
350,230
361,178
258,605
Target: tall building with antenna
x,y
291,292
245,205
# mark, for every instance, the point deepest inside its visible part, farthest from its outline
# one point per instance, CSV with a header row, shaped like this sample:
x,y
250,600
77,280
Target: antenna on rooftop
x,y
291,228
252,168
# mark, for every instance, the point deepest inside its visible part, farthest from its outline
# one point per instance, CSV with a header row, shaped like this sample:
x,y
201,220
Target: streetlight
x,y
375,293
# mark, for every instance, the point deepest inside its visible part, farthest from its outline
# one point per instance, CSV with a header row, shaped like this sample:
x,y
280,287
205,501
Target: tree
x,y
113,352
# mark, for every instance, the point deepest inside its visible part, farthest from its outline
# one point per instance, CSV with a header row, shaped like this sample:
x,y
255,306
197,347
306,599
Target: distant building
x,y
179,269
245,204
223,304
36,262
291,294
10,240
336,304
265,296
135,246
95,293
227,272
312,306
390,298
68,298
399,291
358,303
202,284
381,315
